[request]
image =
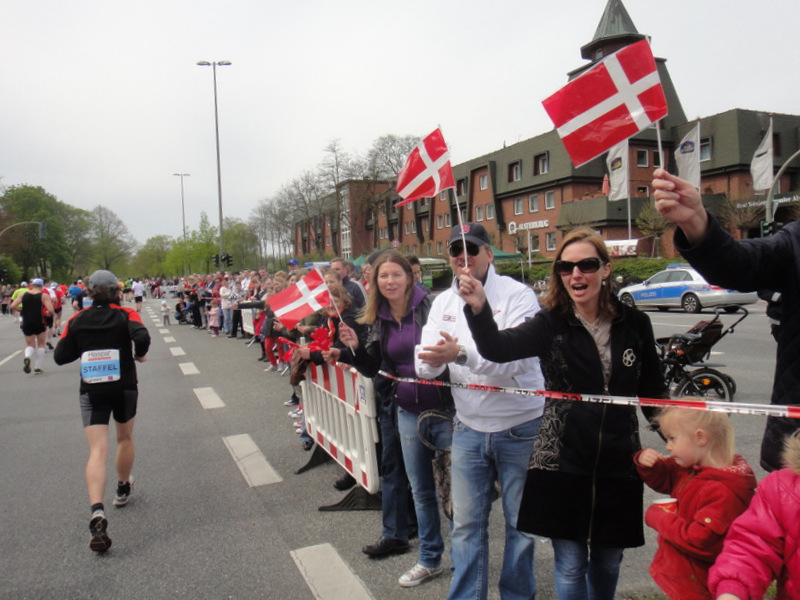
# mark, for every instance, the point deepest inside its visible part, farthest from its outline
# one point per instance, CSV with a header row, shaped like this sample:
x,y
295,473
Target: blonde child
x,y
213,317
712,486
165,312
762,544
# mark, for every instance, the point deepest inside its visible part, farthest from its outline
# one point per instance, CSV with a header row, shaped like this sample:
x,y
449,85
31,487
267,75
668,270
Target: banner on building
x,y
617,163
687,157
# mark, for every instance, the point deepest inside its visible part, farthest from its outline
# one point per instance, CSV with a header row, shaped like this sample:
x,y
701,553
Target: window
x,y
533,203
424,201
461,187
642,190
408,228
414,249
425,224
443,196
705,149
489,212
383,210
438,247
410,206
550,241
479,213
641,158
515,171
439,221
517,206
534,242
447,220
413,227
483,181
549,200
463,216
776,144
541,164
656,159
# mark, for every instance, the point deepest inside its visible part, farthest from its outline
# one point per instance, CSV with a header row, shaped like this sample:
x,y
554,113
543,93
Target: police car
x,y
680,286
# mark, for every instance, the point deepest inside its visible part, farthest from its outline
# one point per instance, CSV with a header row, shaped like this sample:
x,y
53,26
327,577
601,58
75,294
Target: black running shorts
x,y
98,406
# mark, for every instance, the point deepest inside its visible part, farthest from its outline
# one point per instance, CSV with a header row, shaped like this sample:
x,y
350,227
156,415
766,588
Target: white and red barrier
x,y
340,414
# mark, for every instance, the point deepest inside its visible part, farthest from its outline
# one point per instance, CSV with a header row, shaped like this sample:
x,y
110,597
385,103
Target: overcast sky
x,y
102,101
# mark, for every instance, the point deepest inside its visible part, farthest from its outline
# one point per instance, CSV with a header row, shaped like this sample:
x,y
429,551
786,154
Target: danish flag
x,y
427,170
305,297
609,103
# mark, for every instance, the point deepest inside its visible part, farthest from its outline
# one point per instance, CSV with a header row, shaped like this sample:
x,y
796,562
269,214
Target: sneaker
x,y
270,368
49,346
419,574
295,414
98,524
298,430
26,365
291,402
386,546
124,491
37,371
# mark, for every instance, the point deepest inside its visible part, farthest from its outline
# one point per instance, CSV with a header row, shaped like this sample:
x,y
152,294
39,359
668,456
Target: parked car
x,y
680,286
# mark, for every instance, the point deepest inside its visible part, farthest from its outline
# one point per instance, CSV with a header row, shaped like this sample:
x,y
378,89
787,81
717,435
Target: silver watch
x,y
461,357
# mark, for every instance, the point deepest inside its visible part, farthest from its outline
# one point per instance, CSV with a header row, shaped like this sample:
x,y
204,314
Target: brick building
x,y
528,194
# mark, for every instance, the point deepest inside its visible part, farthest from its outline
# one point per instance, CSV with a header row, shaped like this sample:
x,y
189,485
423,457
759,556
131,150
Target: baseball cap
x,y
473,233
294,261
37,281
23,284
102,278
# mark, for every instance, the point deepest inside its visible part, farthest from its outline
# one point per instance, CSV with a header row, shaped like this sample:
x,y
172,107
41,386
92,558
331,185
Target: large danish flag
x,y
300,300
612,101
427,170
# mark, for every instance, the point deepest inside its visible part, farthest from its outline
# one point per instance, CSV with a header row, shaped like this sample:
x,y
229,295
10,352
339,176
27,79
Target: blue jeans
x,y
396,504
417,458
227,319
585,573
478,460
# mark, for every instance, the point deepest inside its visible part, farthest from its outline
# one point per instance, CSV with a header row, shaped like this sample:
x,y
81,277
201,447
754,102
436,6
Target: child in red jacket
x,y
712,486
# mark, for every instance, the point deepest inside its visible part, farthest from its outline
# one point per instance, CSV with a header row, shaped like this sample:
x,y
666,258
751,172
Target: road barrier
x,y
341,417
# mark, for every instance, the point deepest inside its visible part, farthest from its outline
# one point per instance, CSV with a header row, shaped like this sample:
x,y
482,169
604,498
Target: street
x,y
196,526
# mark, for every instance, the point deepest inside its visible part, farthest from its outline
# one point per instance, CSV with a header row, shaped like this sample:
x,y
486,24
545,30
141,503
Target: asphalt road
x,y
195,528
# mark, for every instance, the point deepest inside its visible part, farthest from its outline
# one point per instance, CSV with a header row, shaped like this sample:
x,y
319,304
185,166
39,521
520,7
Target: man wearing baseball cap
x,y
493,432
108,339
294,265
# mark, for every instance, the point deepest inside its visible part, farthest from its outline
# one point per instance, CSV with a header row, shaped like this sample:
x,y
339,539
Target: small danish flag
x,y
305,297
427,170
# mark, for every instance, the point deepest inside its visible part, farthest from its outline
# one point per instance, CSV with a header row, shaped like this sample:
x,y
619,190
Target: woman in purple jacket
x,y
397,309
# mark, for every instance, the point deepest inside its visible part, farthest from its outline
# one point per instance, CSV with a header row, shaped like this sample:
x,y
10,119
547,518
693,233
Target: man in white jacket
x,y
493,433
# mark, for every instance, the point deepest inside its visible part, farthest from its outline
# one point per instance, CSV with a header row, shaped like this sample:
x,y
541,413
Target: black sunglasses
x,y
586,265
456,249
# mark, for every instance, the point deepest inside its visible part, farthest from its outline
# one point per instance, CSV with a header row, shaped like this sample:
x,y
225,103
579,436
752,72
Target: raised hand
x,y
679,201
471,290
347,336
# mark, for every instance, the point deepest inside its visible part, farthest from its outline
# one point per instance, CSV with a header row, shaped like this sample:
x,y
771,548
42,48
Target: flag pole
x,y
341,320
460,225
660,148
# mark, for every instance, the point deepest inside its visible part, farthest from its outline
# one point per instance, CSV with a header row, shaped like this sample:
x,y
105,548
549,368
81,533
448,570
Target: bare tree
x,y
740,215
113,242
336,167
651,223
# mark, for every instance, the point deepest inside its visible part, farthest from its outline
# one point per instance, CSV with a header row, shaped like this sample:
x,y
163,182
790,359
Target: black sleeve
x,y
140,337
523,341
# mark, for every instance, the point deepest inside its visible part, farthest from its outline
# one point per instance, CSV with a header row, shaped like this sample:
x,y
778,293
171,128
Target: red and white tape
x,y
769,410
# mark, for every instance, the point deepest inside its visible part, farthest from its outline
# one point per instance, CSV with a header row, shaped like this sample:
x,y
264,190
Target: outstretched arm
x,y
679,201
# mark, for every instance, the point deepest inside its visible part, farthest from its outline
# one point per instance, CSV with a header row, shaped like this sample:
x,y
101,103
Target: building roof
x,y
615,28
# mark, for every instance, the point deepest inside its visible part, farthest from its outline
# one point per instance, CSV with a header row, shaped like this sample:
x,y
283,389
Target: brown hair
x,y
556,297
374,299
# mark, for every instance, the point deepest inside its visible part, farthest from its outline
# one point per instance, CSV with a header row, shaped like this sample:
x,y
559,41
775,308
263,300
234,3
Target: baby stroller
x,y
184,315
682,350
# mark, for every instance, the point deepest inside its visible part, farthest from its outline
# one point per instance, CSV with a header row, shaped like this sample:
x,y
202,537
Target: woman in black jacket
x,y
582,490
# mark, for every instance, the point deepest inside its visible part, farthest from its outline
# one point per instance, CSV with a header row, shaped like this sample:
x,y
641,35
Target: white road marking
x,y
208,398
189,368
327,575
162,331
169,339
250,460
8,358
177,350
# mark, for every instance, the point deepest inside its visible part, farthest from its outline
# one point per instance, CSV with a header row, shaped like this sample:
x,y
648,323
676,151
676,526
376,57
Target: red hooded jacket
x,y
709,499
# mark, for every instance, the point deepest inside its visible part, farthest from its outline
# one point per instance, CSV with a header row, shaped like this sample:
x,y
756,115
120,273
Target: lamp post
x,y
213,65
183,205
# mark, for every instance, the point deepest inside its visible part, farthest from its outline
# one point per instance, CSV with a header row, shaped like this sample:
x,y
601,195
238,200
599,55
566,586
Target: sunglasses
x,y
456,250
586,265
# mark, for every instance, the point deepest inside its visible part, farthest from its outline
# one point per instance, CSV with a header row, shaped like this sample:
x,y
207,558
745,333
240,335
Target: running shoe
x,y
100,542
418,574
26,365
37,371
124,491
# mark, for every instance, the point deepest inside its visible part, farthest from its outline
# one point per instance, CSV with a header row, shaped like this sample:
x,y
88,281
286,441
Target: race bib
x,y
100,366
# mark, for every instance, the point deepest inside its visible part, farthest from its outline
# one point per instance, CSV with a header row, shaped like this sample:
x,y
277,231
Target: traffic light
x,y
769,228
215,258
228,259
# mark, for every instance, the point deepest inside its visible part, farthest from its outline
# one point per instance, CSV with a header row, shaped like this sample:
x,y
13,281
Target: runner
x,y
138,292
107,339
34,307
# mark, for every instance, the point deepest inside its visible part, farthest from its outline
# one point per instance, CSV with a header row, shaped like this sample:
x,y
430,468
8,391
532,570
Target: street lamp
x,y
183,205
213,65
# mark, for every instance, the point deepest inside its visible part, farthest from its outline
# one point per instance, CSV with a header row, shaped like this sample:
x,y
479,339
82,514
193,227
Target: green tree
x,y
241,242
77,226
151,258
203,244
113,244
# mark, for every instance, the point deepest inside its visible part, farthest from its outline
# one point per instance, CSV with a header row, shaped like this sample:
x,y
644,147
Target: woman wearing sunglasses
x,y
582,490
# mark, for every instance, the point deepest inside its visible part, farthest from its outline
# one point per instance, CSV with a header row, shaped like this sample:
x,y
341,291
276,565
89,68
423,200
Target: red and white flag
x,y
610,102
427,170
305,297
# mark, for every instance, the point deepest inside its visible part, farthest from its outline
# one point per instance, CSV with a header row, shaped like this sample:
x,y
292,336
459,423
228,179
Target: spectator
x,y
417,268
344,268
582,490
494,432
